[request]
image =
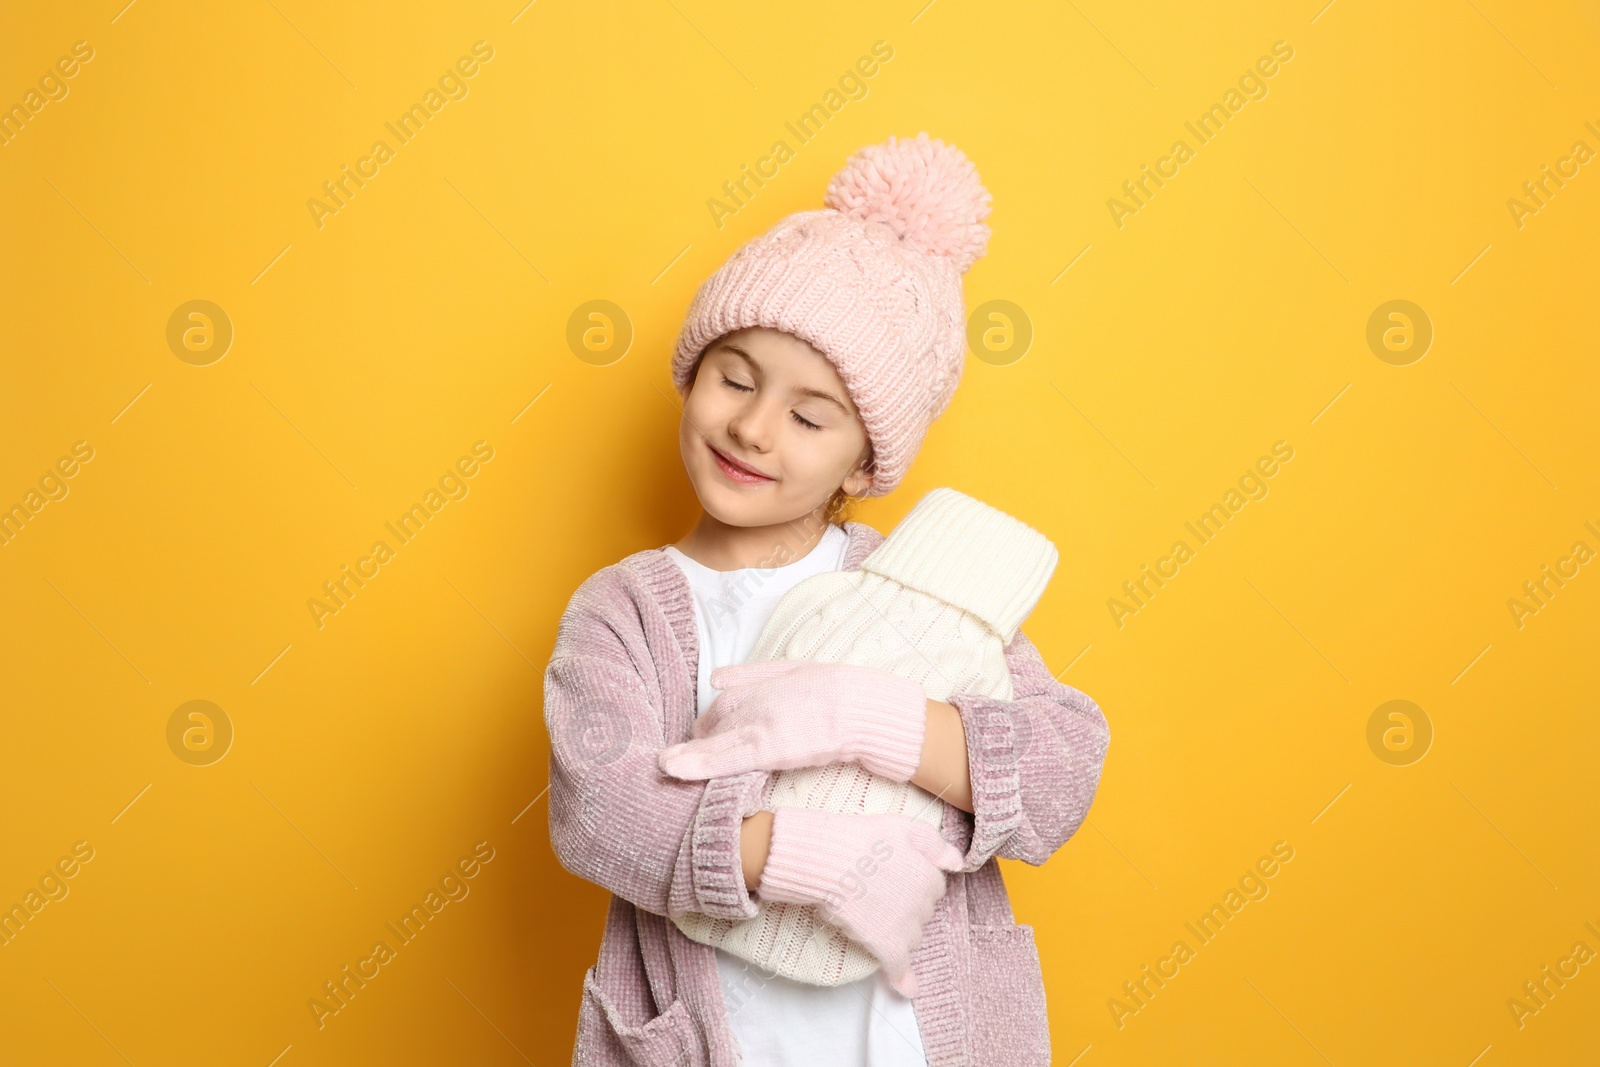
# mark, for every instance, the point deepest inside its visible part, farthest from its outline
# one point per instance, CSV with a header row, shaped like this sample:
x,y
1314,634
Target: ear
x,y
857,483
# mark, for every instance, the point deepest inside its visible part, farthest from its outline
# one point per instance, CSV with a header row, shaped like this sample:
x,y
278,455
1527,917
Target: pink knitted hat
x,y
872,281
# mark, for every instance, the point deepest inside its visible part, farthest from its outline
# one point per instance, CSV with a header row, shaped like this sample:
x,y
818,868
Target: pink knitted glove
x,y
876,877
780,714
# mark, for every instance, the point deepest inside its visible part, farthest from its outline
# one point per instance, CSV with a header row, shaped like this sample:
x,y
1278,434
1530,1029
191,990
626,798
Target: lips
x,y
735,471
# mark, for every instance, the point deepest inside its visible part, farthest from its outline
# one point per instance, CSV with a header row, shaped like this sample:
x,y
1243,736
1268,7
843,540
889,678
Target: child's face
x,y
751,399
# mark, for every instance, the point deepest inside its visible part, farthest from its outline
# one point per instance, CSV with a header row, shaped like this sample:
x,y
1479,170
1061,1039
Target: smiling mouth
x,y
735,471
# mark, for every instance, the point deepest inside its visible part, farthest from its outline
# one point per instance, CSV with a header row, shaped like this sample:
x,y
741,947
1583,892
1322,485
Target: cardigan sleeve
x,y
1034,761
664,845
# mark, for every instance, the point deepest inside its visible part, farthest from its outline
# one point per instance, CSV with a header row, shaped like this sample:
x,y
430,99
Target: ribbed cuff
x,y
792,874
889,727
969,554
993,752
718,867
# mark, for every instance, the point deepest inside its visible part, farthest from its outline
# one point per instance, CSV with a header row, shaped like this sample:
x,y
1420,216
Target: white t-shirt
x,y
780,1022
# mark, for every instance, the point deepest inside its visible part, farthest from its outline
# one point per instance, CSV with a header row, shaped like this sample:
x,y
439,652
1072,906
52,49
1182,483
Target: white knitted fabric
x,y
936,602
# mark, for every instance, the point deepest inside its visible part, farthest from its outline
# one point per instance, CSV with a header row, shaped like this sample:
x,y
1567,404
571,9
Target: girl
x,y
811,366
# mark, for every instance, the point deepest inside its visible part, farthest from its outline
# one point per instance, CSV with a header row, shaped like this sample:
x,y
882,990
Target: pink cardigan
x,y
620,686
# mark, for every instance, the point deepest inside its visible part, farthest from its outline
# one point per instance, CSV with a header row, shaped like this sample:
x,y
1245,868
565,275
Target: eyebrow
x,y
803,390
820,395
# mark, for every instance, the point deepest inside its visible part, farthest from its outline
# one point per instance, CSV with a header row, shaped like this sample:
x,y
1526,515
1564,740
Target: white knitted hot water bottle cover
x,y
936,602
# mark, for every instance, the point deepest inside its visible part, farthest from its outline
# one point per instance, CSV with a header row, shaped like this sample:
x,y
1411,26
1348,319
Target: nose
x,y
751,425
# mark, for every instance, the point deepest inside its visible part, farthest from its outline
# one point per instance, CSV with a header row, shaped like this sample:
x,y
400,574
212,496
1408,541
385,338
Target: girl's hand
x,y
782,714
876,877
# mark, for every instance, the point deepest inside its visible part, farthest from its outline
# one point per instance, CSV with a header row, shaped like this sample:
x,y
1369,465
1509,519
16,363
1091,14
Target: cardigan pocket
x,y
668,1040
1010,1027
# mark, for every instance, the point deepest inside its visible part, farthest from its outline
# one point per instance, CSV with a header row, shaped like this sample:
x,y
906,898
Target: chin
x,y
733,508
747,507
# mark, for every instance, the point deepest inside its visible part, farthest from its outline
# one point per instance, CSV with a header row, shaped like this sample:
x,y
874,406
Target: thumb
x,y
673,760
903,979
950,858
748,673
937,850
708,757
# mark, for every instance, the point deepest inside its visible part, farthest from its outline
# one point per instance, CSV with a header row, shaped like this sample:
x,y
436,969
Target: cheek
x,y
700,406
824,458
688,436
849,449
692,414
699,413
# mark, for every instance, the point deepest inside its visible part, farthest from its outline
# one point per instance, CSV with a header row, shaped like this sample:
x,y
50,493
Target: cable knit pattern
x,y
624,666
936,603
873,281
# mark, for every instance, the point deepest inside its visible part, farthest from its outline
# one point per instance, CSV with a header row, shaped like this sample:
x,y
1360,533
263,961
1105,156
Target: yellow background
x,y
371,754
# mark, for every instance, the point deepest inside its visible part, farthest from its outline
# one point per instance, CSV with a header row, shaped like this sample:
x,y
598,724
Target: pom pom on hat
x,y
926,191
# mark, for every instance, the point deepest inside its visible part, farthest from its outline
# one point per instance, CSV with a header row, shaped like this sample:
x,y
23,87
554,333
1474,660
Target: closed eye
x,y
749,388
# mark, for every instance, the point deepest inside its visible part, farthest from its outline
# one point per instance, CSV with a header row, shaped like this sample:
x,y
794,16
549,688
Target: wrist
x,y
944,770
755,845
